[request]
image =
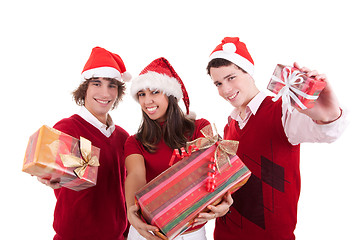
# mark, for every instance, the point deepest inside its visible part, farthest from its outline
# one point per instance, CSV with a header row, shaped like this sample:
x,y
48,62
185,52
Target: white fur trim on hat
x,y
105,72
236,59
153,80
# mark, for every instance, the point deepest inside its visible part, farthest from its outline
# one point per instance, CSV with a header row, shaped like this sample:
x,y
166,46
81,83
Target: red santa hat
x,y
103,63
160,75
236,52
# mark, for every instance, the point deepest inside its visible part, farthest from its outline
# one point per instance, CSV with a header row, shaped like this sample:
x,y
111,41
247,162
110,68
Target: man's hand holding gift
x,y
326,108
54,184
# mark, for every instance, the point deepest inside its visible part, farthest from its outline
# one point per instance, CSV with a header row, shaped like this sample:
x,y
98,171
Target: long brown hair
x,y
176,130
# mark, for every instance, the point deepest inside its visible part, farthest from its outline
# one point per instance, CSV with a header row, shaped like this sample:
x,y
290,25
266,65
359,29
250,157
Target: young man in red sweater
x,y
97,212
269,136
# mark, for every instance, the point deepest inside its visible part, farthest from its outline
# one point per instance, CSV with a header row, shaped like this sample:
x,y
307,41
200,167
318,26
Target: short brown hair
x,y
220,62
80,93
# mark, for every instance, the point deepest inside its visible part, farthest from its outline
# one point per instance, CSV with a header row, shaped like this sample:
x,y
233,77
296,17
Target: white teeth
x,y
151,109
103,102
232,96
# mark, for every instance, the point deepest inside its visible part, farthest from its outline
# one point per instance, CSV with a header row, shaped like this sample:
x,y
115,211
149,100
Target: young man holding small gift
x,y
269,135
97,212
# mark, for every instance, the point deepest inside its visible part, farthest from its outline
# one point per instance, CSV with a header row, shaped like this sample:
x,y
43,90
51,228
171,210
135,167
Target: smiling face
x,y
100,97
154,103
234,85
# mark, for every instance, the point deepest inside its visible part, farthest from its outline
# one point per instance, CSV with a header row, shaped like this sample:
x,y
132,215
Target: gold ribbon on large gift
x,y
82,163
224,147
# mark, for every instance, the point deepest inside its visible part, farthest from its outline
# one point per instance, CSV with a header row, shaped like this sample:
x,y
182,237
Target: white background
x,y
45,44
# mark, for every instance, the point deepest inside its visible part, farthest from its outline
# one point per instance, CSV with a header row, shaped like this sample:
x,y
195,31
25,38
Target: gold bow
x,y
224,147
81,163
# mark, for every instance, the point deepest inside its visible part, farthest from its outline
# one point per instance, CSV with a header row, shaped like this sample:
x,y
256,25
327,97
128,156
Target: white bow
x,y
291,79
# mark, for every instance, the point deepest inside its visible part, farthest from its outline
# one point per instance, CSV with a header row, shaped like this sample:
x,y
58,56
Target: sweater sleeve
x,y
132,146
300,128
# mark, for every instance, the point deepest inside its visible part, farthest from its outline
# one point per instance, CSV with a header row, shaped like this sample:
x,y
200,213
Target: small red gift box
x,y
172,200
57,156
295,87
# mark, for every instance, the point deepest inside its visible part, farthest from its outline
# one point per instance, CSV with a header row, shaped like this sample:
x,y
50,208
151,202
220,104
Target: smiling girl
x,y
164,128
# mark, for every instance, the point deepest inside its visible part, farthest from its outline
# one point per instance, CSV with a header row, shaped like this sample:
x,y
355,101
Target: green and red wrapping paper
x,y
172,200
294,87
54,155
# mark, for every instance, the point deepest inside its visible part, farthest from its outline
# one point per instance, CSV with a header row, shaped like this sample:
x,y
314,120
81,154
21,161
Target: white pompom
x,y
191,115
126,77
229,47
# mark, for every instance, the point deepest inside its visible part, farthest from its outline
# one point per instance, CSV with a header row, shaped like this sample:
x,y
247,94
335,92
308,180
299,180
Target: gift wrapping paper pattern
x,y
173,199
43,159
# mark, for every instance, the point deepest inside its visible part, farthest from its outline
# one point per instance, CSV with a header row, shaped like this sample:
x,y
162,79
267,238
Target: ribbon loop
x,y
184,153
291,79
82,163
224,147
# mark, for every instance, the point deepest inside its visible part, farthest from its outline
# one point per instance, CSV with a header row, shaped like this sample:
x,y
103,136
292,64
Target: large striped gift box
x,y
173,199
57,156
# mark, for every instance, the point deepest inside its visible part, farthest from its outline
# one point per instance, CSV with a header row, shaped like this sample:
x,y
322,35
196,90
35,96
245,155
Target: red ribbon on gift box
x,y
184,153
224,148
211,183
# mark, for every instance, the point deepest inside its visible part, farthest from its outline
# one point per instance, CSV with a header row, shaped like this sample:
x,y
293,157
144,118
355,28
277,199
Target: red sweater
x,y
97,212
266,207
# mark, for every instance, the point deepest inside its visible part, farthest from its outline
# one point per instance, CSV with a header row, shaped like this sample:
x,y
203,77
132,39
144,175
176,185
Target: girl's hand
x,y
143,228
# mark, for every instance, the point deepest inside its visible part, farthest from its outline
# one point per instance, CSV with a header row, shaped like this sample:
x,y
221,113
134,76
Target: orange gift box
x,y
54,155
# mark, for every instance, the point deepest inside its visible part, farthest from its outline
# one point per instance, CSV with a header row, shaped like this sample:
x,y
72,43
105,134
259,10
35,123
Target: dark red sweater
x,y
97,212
266,207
